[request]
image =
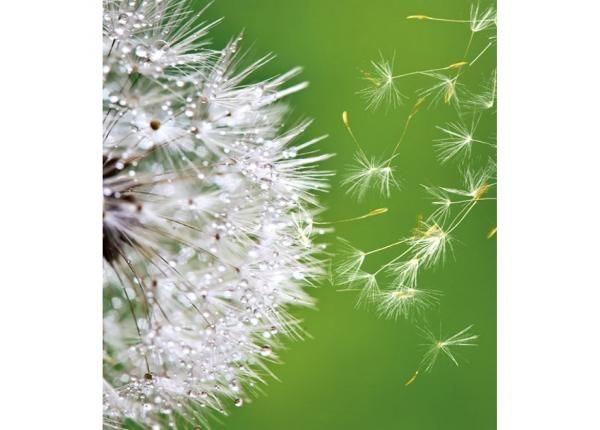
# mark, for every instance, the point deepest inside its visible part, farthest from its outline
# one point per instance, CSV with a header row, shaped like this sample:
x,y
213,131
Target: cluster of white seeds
x,y
207,222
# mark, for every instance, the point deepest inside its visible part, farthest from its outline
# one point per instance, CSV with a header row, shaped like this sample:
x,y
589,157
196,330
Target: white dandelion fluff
x,y
431,244
486,98
481,19
406,302
382,88
207,221
458,140
369,173
436,346
444,88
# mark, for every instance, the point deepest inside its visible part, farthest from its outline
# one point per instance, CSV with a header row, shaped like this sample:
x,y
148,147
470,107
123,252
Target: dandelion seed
x,y
405,302
382,88
486,99
431,245
445,346
482,20
444,89
458,141
442,202
477,183
369,288
367,174
405,272
492,232
350,261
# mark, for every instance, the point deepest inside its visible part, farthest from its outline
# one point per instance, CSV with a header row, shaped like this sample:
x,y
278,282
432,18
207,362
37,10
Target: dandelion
x,y
369,173
382,88
437,346
458,141
405,302
208,217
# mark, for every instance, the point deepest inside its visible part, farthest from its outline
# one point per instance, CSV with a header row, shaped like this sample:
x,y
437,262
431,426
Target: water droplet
x,y
141,51
238,402
265,351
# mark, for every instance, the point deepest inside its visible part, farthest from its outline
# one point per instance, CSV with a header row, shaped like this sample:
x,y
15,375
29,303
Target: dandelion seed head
x,y
208,213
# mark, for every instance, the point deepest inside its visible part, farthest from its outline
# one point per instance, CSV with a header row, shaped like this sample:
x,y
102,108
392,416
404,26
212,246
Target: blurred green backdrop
x,y
351,374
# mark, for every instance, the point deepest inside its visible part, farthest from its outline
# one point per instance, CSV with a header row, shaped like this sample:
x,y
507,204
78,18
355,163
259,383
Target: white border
x,y
51,315
549,228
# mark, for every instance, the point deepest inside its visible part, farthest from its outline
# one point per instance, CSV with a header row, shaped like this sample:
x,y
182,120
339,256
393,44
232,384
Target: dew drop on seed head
x,y
238,402
141,51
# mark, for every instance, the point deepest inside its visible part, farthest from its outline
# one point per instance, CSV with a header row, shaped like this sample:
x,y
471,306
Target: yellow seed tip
x,y
458,65
417,17
492,232
345,119
479,192
412,379
377,211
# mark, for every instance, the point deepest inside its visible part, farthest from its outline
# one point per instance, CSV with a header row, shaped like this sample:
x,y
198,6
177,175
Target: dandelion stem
x,y
470,200
392,261
424,72
374,212
135,321
430,18
480,54
346,122
383,248
414,111
461,216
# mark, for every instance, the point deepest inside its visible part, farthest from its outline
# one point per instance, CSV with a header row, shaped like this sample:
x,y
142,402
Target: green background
x,y
351,373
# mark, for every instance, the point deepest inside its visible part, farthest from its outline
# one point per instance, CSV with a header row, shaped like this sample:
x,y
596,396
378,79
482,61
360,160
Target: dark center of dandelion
x,y
155,124
116,215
